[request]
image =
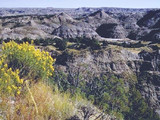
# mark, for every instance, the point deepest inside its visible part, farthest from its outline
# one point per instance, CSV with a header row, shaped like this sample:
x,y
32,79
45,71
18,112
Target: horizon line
x,y
76,7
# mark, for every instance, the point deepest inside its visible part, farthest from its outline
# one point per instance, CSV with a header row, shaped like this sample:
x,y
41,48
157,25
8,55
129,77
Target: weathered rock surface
x,y
144,65
137,24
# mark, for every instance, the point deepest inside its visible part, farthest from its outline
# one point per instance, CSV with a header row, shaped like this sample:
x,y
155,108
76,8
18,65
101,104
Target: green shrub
x,y
61,44
139,109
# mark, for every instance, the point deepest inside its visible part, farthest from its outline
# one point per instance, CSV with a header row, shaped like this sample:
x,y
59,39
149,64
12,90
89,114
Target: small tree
x,y
61,44
139,109
109,93
93,43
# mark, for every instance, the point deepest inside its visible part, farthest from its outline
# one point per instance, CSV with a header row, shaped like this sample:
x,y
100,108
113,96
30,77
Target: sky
x,y
80,3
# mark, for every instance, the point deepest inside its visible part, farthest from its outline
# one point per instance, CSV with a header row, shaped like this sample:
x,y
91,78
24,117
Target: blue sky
x,y
81,3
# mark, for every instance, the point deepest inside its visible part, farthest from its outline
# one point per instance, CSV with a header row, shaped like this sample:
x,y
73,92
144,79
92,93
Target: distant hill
x,y
72,11
136,24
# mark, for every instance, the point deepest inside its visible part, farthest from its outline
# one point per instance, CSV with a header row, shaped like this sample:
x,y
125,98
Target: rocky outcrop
x,y
103,61
145,65
149,85
150,19
137,24
153,35
149,78
149,26
152,61
111,31
73,31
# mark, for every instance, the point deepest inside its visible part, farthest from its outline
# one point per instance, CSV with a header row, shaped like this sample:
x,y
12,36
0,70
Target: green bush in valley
x,y
61,44
139,109
110,94
107,92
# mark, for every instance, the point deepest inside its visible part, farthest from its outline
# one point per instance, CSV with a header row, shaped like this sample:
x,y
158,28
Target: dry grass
x,y
145,42
138,50
51,105
74,51
51,47
158,45
70,43
133,50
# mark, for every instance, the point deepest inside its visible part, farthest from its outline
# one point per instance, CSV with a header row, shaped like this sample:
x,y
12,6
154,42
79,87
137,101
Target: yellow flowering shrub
x,y
21,62
32,63
10,81
21,67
